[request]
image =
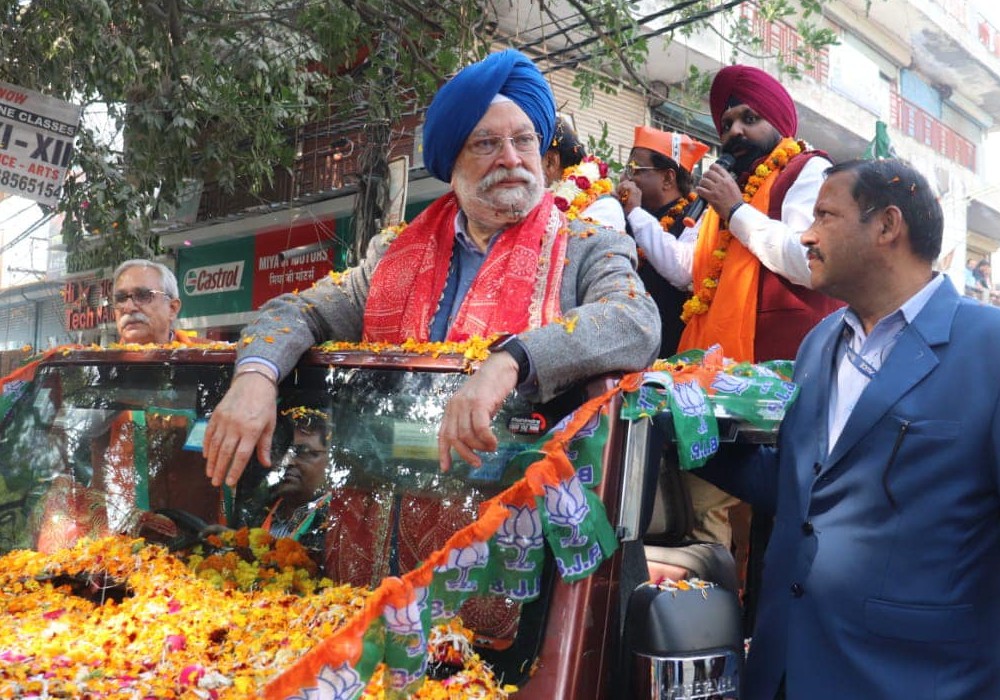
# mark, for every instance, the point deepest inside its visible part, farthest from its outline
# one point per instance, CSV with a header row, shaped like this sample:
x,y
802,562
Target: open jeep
x,y
104,442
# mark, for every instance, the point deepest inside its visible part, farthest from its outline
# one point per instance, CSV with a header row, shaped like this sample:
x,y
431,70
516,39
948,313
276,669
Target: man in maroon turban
x,y
760,306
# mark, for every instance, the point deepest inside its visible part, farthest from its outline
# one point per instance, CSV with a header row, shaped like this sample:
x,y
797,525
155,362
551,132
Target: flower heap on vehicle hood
x,y
116,618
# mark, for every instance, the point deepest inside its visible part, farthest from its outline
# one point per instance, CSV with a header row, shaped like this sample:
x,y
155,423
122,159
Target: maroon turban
x,y
760,92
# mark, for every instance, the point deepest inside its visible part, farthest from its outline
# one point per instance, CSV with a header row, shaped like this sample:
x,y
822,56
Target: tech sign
x,y
36,143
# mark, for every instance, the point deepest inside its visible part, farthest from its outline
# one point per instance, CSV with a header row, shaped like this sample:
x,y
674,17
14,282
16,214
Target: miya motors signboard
x,y
292,259
36,143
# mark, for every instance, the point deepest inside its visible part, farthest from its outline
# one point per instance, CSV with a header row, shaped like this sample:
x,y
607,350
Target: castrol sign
x,y
213,279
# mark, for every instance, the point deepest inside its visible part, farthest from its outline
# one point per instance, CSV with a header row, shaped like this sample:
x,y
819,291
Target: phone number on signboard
x,y
28,184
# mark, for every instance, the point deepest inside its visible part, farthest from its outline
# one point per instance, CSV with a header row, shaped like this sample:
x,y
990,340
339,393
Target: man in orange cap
x,y
655,192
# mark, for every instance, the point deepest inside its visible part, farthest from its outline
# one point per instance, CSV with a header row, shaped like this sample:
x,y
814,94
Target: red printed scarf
x,y
517,287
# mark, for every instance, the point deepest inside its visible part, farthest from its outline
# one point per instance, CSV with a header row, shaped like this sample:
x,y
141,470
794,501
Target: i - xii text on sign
x,y
36,143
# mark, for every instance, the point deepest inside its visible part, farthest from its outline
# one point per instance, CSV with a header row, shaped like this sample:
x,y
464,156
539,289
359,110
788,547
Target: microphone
x,y
727,161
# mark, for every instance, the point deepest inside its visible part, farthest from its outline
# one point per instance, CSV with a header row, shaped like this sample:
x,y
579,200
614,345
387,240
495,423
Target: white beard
x,y
496,208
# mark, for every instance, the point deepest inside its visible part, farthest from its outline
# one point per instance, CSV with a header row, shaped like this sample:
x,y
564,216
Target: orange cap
x,y
683,149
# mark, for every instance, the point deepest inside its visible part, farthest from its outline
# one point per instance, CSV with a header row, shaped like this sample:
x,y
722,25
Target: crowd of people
x,y
883,488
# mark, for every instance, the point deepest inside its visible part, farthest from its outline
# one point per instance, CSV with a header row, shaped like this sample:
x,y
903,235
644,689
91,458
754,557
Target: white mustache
x,y
135,316
500,174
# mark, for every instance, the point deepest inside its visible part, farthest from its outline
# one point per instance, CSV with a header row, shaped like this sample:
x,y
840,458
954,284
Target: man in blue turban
x,y
465,99
493,258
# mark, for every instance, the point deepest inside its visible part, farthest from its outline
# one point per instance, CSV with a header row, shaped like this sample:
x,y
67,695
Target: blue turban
x,y
463,101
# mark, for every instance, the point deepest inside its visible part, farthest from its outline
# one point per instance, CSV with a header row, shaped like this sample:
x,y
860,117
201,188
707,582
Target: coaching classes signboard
x,y
36,143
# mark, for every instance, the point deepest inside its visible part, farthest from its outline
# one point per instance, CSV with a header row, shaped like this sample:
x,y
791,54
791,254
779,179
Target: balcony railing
x,y
922,127
327,160
784,40
989,35
956,9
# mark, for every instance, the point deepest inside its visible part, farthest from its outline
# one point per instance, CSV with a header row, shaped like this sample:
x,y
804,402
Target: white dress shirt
x,y
775,243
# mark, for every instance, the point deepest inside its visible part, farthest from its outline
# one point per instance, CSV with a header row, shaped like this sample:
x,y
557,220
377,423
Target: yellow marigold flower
x,y
569,323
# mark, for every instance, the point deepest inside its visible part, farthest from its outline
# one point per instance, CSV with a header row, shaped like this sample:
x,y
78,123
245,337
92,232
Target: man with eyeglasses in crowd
x,y
655,191
300,493
146,302
493,257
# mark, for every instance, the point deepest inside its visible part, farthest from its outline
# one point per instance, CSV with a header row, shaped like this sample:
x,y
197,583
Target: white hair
x,y
167,279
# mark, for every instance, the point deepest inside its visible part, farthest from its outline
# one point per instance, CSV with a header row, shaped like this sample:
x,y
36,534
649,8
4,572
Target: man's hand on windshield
x,y
243,420
466,423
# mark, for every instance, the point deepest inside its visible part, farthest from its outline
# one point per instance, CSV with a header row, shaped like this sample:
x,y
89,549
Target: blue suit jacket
x,y
882,576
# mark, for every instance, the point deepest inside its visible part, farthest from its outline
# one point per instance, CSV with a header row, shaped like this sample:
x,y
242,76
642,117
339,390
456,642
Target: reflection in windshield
x,y
116,448
94,449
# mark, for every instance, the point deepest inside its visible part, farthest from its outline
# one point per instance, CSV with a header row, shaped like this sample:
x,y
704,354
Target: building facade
x,y
929,69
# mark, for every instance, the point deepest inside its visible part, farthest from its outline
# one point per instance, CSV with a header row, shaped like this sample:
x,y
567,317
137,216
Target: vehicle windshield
x,y
96,447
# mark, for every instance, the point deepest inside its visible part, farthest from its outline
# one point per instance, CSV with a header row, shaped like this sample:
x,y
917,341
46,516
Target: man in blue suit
x,y
881,577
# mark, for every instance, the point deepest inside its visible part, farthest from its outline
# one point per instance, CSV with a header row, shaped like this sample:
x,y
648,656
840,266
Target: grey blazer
x,y
617,329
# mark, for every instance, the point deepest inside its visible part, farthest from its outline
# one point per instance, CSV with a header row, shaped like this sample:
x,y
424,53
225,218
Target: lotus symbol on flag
x,y
341,684
465,559
690,399
567,507
406,621
522,531
730,384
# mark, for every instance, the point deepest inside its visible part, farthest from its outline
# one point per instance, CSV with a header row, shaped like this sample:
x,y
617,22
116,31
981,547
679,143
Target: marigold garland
x,y
475,349
701,300
176,634
668,219
581,185
173,345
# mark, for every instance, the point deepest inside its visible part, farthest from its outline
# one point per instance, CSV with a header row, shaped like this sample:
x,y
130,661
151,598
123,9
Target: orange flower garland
x,y
668,219
221,632
475,349
581,185
701,300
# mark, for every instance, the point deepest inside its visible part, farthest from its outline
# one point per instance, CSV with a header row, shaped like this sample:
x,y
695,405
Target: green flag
x,y
880,147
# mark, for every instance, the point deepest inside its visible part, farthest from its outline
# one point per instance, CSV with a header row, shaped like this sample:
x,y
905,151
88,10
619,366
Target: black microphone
x,y
727,161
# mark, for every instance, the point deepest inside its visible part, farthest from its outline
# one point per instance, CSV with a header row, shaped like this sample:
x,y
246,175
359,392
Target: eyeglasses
x,y
866,214
632,168
525,142
140,296
305,452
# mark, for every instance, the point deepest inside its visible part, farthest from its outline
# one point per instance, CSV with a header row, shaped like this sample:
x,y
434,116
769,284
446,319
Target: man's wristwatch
x,y
732,210
513,346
